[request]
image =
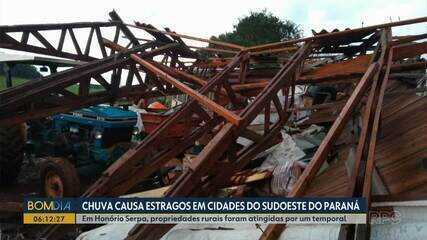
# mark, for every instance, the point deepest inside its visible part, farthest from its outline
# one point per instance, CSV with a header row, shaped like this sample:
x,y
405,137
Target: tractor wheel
x,y
12,142
59,178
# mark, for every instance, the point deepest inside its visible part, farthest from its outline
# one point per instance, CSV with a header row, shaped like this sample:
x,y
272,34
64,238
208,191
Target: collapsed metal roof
x,y
226,96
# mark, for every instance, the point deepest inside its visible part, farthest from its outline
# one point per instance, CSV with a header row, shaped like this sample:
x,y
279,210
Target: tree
x,y
22,71
259,28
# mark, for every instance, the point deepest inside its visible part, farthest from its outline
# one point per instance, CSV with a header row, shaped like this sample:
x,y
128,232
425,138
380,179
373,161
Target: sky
x,y
206,18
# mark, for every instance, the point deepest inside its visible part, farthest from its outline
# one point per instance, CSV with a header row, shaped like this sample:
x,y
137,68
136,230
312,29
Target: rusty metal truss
x,y
224,103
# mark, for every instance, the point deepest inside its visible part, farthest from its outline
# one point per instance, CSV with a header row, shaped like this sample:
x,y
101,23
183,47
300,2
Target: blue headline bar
x,y
196,205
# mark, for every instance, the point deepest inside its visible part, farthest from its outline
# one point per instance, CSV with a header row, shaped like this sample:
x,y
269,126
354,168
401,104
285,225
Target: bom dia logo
x,y
48,205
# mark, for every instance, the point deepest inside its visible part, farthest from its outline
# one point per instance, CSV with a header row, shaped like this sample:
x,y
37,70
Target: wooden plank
x,y
120,168
407,39
100,41
89,41
230,93
367,188
42,40
101,80
145,170
409,50
280,80
84,87
251,135
356,180
196,181
115,17
74,40
202,99
327,143
191,78
320,156
62,39
267,111
116,39
224,44
278,106
332,35
24,37
243,70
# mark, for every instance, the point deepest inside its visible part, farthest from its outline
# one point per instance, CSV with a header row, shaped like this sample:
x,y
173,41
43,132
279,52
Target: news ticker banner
x,y
194,210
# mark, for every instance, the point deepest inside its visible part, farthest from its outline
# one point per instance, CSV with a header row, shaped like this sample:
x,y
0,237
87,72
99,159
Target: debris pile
x,y
312,124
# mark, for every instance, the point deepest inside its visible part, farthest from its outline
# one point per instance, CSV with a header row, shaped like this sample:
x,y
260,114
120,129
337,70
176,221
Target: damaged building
x,y
338,114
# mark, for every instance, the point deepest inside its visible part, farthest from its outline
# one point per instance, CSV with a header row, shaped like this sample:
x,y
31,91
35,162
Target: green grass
x,y
93,88
74,88
15,82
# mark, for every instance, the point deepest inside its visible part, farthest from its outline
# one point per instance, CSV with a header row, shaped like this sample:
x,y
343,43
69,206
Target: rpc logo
x,y
49,205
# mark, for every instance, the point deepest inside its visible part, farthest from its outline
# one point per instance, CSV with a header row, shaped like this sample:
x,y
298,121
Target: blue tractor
x,y
79,145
